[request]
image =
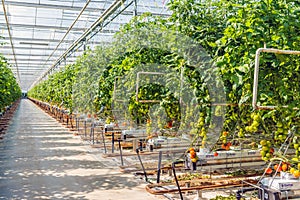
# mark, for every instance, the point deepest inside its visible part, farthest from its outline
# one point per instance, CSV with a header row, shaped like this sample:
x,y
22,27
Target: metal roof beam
x,y
52,6
47,27
26,59
5,47
90,32
75,8
36,39
36,59
32,70
108,32
34,62
34,55
23,67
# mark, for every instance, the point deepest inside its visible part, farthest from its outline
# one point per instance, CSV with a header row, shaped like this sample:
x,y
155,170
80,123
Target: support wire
x,y
11,42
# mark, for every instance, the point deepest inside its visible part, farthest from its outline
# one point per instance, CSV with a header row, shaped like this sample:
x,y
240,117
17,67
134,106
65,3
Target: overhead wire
x,y
107,12
69,29
11,42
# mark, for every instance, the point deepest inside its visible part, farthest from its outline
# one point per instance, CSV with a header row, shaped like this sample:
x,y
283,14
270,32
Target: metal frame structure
x,y
40,36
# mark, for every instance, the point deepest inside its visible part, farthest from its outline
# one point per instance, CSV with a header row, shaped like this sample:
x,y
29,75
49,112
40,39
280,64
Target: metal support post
x,y
159,167
77,124
103,139
194,166
93,132
85,128
135,8
112,142
139,157
120,149
141,145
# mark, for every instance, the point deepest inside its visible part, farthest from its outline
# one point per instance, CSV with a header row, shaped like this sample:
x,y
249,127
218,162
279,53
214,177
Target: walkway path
x,y
40,159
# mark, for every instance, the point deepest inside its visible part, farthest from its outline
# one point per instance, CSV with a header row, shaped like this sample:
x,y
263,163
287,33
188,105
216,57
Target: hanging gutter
x,y
11,42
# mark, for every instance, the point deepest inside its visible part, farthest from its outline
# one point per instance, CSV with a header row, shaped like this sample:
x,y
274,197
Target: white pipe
x,y
255,81
256,72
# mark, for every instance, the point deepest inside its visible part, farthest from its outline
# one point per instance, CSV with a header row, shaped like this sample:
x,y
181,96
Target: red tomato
x,y
276,167
268,171
193,154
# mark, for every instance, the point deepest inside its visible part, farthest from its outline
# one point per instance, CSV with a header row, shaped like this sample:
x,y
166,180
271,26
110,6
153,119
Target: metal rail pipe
x,y
256,72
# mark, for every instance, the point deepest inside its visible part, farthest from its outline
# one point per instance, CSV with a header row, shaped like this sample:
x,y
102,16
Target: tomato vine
x,y
9,89
230,32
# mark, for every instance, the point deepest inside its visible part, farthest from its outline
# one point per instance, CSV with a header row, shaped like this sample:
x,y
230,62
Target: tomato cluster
x,y
266,151
193,155
285,167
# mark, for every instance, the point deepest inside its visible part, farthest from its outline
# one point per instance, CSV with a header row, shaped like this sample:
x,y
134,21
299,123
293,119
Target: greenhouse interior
x,y
150,99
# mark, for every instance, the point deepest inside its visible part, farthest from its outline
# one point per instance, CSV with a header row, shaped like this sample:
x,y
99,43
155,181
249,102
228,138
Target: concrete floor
x,y
40,159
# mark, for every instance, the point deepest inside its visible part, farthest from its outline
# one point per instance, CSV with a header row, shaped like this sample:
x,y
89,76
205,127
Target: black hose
x,y
176,180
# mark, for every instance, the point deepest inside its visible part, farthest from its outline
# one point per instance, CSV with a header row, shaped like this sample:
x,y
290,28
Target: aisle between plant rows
x,y
40,159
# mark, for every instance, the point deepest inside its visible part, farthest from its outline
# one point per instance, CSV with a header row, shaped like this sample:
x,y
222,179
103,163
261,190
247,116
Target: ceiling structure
x,y
40,35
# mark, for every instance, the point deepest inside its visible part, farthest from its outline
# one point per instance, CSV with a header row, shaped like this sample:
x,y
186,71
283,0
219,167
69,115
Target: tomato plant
x,y
9,88
57,89
230,32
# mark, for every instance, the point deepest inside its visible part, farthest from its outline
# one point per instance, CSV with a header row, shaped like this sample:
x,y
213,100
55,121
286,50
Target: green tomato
x,y
265,148
279,124
263,142
269,144
280,130
262,153
256,117
255,124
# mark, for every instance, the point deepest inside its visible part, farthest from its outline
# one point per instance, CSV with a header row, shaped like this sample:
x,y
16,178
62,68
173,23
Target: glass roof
x,y
36,33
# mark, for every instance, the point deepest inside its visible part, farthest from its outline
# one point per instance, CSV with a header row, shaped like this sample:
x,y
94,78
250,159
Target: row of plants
x,y
9,88
57,89
206,51
232,43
